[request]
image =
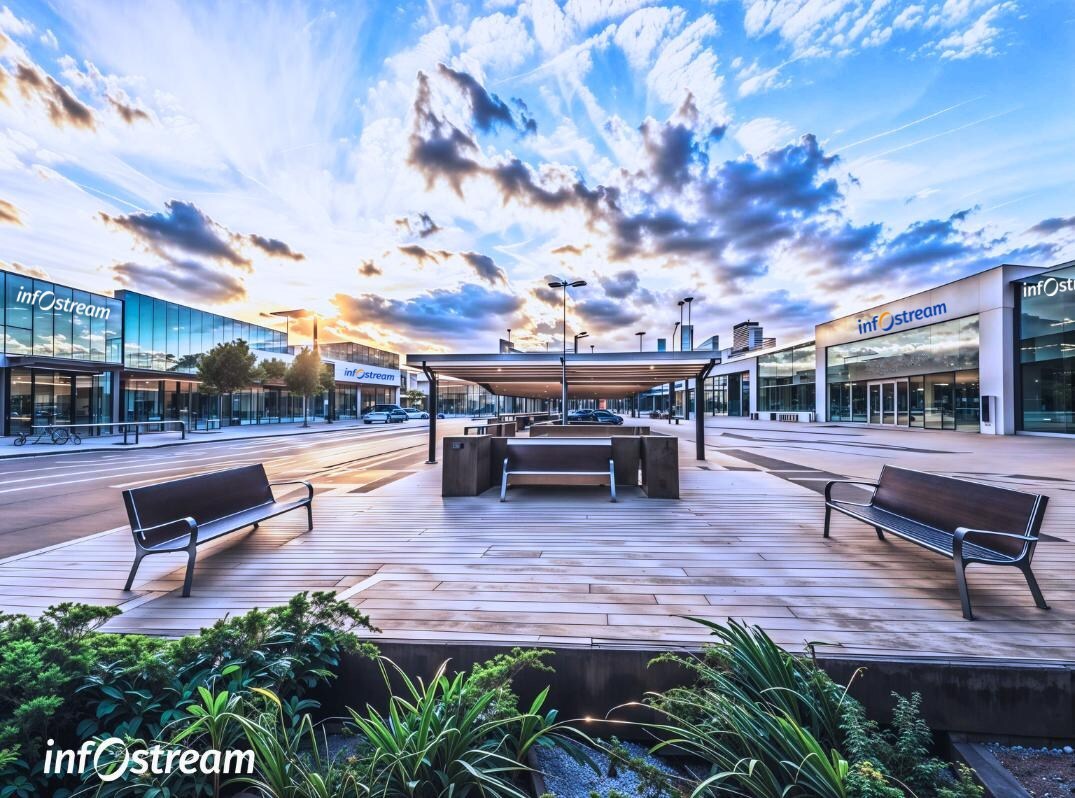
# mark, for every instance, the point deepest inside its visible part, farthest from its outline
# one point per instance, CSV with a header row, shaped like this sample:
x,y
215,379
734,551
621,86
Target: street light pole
x,y
564,284
641,334
591,349
580,335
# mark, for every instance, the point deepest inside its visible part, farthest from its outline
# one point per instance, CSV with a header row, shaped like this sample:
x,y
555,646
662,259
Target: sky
x,y
415,172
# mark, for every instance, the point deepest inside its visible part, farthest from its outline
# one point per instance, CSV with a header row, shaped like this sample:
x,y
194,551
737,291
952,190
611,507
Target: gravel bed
x,y
1043,772
566,778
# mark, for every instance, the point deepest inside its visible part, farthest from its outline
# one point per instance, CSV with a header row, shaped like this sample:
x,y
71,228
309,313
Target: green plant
x,y
304,377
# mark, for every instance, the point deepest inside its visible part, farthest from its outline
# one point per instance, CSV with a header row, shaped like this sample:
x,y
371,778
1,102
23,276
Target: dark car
x,y
594,417
607,417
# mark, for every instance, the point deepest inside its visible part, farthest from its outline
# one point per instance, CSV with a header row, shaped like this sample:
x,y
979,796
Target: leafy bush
x,y
771,724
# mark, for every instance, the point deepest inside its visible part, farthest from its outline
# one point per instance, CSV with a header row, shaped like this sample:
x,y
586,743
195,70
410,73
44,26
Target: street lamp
x,y
641,334
591,349
564,284
674,335
580,335
688,300
681,303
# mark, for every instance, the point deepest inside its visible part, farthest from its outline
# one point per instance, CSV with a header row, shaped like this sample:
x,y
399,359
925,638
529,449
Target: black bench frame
x,y
565,471
963,552
186,538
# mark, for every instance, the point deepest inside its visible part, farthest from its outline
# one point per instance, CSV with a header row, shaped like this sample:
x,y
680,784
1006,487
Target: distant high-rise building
x,y
712,343
686,338
747,335
662,344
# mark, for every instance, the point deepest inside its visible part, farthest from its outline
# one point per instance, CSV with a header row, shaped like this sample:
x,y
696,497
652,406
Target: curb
x,y
188,442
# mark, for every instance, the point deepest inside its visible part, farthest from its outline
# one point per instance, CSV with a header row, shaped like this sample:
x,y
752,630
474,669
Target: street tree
x,y
303,377
227,368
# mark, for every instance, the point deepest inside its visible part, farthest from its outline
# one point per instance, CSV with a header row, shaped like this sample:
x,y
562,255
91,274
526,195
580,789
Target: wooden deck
x,y
560,567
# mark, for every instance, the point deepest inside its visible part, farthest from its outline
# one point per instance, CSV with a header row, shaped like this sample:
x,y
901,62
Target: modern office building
x,y
73,357
993,352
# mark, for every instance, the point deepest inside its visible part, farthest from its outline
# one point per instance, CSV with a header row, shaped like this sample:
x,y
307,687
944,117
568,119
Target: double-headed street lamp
x,y
565,284
580,335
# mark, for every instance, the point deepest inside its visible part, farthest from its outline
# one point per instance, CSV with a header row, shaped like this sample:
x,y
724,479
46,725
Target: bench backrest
x,y
559,454
948,503
204,498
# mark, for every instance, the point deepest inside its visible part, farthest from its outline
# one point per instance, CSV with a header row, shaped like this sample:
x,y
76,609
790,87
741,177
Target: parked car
x,y
607,417
581,415
375,416
413,412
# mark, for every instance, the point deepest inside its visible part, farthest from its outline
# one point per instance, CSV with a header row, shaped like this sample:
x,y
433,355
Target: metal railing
x,y
59,434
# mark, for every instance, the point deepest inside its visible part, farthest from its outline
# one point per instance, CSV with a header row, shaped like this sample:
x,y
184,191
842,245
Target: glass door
x,y
888,403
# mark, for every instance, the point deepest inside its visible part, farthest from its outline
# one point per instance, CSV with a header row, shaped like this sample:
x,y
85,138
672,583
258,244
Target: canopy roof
x,y
609,375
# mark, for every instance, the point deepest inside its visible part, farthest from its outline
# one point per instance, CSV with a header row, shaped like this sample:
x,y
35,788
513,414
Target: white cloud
x,y
978,39
641,33
686,64
12,25
763,134
48,38
754,79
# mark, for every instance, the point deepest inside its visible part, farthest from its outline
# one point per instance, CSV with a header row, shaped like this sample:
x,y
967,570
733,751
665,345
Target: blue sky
x,y
413,172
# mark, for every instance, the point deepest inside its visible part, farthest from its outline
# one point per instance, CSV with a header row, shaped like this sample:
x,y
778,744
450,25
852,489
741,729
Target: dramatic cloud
x,y
128,113
568,249
9,214
485,267
1047,227
550,296
621,284
603,314
29,271
422,224
62,106
274,247
420,254
369,269
488,110
455,313
184,228
181,281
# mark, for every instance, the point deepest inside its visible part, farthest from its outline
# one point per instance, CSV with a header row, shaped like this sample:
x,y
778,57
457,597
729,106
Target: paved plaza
x,y
561,566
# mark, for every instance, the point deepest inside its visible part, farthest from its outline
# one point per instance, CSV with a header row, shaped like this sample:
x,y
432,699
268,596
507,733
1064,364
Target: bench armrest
x,y
962,532
192,530
828,490
309,487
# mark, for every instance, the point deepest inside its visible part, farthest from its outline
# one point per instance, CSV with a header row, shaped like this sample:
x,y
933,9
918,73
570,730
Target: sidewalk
x,y
156,440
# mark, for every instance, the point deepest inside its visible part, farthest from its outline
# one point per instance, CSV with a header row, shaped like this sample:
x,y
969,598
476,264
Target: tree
x,y
304,377
328,385
227,368
415,398
273,369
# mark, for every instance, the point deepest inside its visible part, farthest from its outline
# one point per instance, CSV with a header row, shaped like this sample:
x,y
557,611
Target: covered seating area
x,y
552,376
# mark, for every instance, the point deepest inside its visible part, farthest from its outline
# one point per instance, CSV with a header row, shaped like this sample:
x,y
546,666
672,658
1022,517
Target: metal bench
x,y
969,522
590,457
214,505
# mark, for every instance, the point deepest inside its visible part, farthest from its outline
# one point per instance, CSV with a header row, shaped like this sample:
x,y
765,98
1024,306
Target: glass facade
x,y
467,399
164,336
786,379
728,395
358,353
926,377
1045,313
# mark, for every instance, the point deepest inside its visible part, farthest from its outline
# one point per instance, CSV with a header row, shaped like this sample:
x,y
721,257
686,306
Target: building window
x,y
786,379
1047,351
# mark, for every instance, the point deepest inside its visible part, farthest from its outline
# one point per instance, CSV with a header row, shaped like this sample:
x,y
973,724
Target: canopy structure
x,y
541,375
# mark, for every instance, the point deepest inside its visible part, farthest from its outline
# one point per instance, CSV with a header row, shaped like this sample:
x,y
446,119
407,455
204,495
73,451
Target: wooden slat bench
x,y
182,514
591,457
969,522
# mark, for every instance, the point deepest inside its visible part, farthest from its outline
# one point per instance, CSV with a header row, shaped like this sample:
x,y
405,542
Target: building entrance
x,y
887,402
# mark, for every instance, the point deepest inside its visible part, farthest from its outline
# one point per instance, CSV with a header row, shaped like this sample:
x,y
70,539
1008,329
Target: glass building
x,y
786,379
924,377
61,354
1045,331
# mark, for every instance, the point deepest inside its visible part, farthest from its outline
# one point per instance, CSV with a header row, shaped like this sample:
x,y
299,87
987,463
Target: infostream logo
x,y
111,759
369,375
47,300
1050,286
887,321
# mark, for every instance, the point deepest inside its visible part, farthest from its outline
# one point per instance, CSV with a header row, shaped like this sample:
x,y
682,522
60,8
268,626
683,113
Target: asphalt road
x,y
51,499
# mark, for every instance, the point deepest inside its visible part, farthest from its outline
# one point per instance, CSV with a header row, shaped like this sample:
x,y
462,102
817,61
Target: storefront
x,y
60,357
1045,318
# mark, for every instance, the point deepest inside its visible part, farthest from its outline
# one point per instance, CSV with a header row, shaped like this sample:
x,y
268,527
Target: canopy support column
x,y
432,377
699,410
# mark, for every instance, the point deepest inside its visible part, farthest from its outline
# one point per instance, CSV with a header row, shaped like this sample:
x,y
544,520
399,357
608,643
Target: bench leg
x,y
138,555
192,553
880,533
964,594
504,485
612,478
828,517
309,517
1032,583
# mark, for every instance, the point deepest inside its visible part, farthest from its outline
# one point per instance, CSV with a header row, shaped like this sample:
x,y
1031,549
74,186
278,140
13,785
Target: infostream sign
x,y
886,321
355,372
1050,286
48,301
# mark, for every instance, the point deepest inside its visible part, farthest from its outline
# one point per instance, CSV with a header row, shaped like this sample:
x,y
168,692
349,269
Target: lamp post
x,y
565,284
580,335
591,349
688,300
641,334
681,303
686,383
